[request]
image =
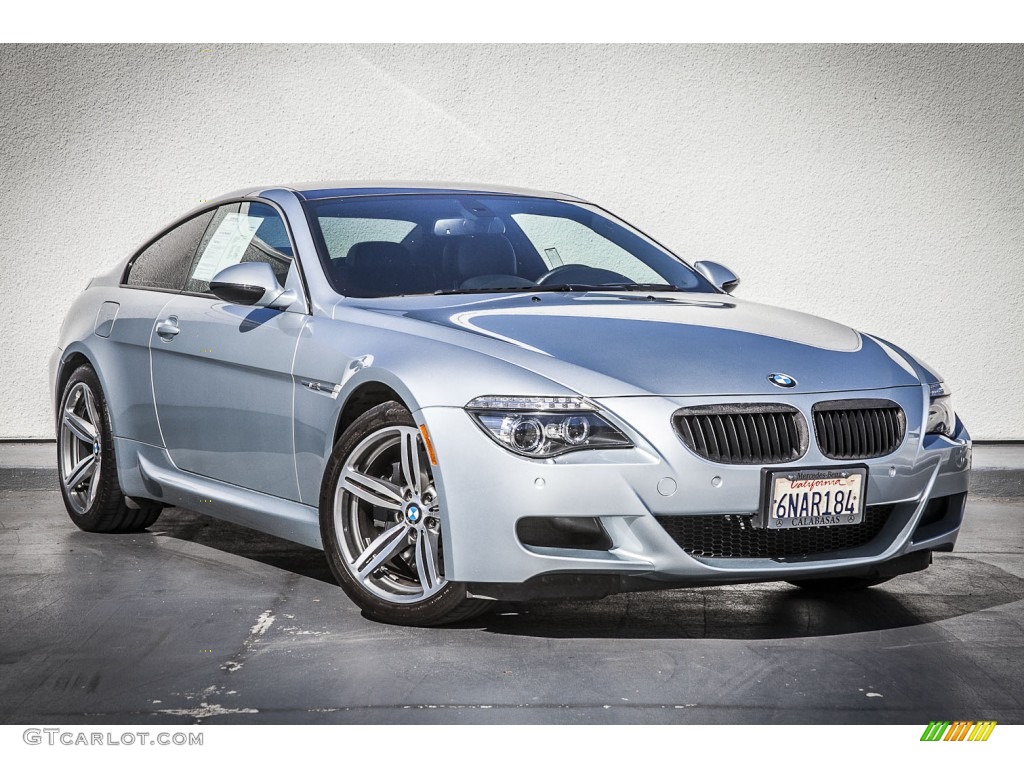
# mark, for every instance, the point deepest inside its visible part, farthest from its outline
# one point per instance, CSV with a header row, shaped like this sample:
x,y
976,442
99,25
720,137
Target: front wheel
x,y
380,521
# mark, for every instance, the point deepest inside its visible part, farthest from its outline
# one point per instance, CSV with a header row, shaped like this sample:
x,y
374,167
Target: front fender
x,y
334,359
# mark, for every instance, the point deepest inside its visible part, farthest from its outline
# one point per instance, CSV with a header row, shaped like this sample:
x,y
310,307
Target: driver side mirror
x,y
252,284
719,276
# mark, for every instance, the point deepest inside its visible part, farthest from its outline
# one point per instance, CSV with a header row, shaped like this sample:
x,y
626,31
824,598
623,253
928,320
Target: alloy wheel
x,y
387,517
81,448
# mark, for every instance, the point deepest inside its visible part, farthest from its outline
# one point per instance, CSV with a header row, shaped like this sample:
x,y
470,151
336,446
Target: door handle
x,y
168,329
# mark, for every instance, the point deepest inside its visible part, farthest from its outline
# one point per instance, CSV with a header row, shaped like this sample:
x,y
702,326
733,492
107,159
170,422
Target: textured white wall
x,y
879,186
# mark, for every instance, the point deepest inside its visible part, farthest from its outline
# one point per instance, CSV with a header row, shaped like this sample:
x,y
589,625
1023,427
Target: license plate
x,y
815,497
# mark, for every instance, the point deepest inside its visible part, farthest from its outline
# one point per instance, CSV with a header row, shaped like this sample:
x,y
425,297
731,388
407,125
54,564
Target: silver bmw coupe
x,y
465,394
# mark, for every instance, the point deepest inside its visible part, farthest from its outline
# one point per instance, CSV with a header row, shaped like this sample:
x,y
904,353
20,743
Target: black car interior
x,y
424,263
416,244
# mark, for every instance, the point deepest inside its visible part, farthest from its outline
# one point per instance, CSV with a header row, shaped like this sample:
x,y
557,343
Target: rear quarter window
x,y
164,264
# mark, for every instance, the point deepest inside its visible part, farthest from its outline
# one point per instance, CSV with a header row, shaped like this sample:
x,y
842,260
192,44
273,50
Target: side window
x,y
165,263
562,241
241,232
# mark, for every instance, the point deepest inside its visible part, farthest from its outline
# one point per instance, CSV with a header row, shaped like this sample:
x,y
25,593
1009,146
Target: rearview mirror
x,y
252,284
482,225
719,276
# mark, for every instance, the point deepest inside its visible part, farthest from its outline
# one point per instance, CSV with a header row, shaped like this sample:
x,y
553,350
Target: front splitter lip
x,y
560,586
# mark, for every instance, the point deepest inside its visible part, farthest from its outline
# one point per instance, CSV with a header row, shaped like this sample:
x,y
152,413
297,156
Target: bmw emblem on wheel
x,y
782,380
412,514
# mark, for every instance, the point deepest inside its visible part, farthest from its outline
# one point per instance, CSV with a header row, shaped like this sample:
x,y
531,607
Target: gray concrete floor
x,y
202,621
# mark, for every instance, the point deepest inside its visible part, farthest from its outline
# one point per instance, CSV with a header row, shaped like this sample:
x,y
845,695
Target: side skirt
x,y
146,471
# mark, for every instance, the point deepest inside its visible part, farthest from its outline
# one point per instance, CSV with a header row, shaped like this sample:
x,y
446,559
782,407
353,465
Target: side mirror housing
x,y
719,276
251,284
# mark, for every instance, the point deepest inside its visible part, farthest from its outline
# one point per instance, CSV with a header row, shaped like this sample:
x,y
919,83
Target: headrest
x,y
484,255
380,268
377,254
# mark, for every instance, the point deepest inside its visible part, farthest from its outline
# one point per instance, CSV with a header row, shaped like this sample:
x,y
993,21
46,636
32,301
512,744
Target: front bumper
x,y
487,490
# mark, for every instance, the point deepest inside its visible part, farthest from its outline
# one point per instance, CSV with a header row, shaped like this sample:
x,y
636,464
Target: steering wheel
x,y
580,273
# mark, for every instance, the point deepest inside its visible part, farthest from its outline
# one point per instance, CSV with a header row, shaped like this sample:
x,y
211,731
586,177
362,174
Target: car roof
x,y
314,190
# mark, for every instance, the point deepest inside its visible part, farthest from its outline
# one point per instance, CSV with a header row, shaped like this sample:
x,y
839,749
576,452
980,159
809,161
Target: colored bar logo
x,y
958,730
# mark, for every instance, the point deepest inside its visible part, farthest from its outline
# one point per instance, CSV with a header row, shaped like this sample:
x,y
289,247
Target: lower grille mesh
x,y
734,535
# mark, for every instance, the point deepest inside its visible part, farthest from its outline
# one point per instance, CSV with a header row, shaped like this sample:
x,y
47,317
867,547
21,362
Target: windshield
x,y
394,245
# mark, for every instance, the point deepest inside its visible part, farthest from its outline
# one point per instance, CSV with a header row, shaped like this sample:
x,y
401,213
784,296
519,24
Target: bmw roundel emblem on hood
x,y
782,380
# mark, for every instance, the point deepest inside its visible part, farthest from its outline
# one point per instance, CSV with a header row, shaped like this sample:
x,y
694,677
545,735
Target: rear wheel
x,y
85,462
380,520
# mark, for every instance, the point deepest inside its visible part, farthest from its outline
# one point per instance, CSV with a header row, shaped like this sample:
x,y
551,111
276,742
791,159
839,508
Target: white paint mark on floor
x,y
262,624
205,710
297,631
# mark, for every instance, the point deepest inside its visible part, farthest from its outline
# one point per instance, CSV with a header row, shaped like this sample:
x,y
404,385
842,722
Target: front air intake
x,y
727,536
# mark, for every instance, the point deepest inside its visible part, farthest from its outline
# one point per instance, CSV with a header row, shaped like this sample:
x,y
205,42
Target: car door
x,y
222,379
154,276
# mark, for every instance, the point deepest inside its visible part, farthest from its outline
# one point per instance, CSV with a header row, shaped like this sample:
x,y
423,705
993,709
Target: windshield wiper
x,y
606,287
509,289
635,287
564,287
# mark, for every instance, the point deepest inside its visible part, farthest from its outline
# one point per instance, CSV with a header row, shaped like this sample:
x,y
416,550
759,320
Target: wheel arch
x,y
365,396
74,357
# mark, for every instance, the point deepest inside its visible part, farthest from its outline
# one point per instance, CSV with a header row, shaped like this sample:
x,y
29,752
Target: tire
x,y
380,517
86,468
841,583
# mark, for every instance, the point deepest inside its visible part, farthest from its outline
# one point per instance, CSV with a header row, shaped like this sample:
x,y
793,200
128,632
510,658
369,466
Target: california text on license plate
x,y
815,497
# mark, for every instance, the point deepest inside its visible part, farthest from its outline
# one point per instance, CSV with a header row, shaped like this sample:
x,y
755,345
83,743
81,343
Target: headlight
x,y
541,427
941,416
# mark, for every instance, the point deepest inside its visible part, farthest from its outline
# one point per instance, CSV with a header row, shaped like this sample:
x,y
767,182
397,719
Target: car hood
x,y
602,344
